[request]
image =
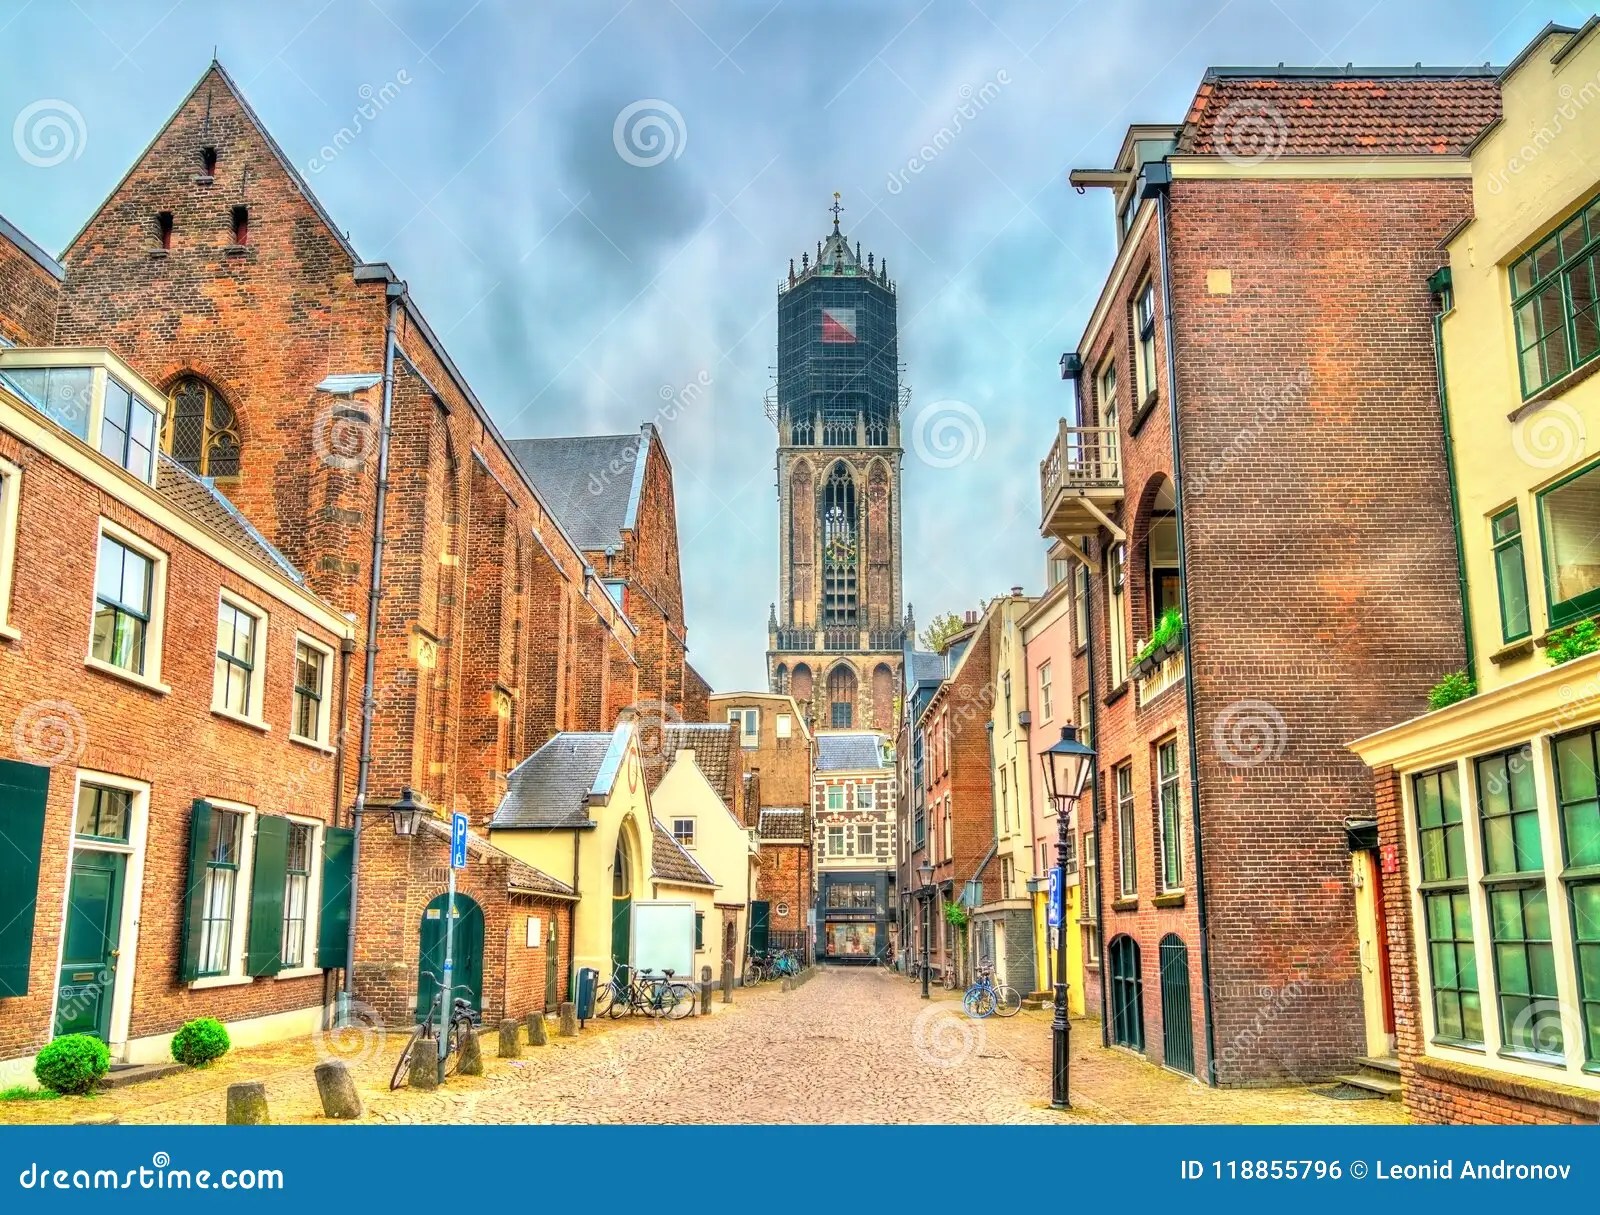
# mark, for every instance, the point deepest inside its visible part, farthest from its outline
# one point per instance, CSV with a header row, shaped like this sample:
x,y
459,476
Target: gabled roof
x,y
670,863
200,498
783,823
592,483
550,789
849,752
520,876
1347,111
714,746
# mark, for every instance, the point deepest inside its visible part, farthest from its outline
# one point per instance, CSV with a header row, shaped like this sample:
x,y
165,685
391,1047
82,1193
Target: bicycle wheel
x,y
1007,1000
603,996
656,1000
621,1004
402,1069
682,997
460,1027
978,1002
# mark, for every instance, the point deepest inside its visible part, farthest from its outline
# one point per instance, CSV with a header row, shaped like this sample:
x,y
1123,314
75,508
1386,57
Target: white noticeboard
x,y
533,932
663,937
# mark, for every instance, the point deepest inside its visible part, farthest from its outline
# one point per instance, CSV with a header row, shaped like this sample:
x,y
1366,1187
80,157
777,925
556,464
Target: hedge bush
x,y
72,1063
200,1041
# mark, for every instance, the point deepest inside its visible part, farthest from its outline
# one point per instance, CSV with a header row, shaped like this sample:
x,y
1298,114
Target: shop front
x,y
853,910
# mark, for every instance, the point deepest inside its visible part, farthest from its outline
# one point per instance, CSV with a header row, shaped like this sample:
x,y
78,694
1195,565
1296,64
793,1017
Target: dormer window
x,y
128,430
92,401
241,226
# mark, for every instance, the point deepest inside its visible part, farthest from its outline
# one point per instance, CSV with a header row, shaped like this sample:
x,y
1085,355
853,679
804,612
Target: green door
x,y
760,925
552,956
466,957
89,951
621,930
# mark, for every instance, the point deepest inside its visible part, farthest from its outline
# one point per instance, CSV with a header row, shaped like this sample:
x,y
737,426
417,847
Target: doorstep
x,y
123,1074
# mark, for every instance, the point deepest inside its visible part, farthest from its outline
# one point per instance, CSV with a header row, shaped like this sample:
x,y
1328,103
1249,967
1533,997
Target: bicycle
x,y
757,969
984,997
654,996
463,1020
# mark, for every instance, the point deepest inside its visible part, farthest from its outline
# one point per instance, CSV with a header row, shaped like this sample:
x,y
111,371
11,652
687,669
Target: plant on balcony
x,y
1574,641
1456,686
1165,640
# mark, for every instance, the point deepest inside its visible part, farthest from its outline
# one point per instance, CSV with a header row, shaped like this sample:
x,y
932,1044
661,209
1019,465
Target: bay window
x,y
1569,520
1554,289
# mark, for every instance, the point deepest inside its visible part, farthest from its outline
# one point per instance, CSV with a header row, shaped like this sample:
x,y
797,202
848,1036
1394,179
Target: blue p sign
x,y
458,841
1053,916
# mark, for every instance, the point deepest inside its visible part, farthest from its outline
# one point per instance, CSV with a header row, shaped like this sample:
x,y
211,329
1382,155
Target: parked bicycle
x,y
984,997
759,967
652,995
463,1019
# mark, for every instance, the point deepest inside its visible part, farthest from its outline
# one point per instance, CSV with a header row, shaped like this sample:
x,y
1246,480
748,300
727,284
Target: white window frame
x,y
694,831
239,926
254,709
866,796
10,499
869,832
749,723
313,896
830,793
784,725
1046,704
150,677
323,740
828,837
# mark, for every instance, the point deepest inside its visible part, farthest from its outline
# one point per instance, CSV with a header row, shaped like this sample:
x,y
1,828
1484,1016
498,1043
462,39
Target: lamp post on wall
x,y
924,876
1067,766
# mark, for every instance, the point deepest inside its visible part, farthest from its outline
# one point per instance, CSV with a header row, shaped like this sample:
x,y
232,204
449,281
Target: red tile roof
x,y
1260,116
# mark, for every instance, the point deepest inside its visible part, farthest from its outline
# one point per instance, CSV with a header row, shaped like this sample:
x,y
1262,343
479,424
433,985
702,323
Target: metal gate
x,y
1177,1020
1127,993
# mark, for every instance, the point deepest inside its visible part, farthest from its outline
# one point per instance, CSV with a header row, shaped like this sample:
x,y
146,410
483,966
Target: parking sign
x,y
458,841
1053,914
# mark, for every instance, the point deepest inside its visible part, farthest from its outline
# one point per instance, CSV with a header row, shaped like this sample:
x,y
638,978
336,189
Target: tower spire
x,y
836,208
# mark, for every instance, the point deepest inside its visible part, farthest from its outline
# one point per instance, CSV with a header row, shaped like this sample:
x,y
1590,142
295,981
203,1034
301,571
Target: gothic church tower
x,y
834,638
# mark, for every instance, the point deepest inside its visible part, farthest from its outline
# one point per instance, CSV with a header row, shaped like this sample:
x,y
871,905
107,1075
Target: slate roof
x,y
714,746
926,667
520,876
783,823
672,864
199,498
549,788
1265,112
589,481
849,752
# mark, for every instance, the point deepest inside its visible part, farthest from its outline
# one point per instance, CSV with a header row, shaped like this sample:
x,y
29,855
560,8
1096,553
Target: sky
x,y
593,203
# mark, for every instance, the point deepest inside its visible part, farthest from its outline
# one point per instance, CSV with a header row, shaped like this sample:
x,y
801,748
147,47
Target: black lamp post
x,y
924,876
1067,766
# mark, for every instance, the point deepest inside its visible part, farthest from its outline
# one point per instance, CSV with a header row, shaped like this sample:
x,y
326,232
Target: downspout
x,y
572,926
396,295
1162,189
1095,818
1439,285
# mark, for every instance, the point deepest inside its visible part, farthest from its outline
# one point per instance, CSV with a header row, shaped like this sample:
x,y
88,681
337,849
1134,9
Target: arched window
x,y
621,869
841,697
840,552
202,432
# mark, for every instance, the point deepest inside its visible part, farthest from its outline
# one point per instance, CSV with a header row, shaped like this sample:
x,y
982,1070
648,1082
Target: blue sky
x,y
583,270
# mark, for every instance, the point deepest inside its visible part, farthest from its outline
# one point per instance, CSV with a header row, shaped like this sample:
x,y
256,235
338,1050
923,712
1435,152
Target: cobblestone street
x,y
848,1046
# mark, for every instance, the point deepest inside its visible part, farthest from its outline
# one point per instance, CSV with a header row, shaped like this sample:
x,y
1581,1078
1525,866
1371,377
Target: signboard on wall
x,y
534,932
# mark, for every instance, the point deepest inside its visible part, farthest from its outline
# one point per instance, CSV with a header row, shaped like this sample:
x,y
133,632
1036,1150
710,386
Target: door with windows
x,y
92,930
1127,993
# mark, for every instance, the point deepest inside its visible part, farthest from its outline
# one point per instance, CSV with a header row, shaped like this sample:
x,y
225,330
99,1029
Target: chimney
x,y
1016,592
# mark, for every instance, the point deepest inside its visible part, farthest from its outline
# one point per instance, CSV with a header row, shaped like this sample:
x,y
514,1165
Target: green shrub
x,y
200,1042
1458,685
72,1063
955,915
1573,641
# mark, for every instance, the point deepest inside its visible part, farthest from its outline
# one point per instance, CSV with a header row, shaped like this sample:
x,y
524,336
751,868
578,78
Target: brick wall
x,y
29,294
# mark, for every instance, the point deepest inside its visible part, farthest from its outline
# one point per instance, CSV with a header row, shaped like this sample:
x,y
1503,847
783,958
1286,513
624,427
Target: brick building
x,y
1251,610
170,753
853,837
306,384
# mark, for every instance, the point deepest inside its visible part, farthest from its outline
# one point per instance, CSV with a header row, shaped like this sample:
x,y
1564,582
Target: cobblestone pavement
x,y
848,1046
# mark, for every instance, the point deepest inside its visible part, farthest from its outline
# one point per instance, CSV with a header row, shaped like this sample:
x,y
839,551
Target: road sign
x,y
1053,914
458,841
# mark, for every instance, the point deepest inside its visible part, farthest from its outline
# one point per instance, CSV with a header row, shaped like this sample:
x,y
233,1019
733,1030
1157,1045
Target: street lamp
x,y
407,814
924,877
1067,766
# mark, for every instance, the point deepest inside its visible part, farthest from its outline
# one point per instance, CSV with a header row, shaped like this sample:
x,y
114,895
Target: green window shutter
x,y
699,930
202,832
264,946
23,791
333,923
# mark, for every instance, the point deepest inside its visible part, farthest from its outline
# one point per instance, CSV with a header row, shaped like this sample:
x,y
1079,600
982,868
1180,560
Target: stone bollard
x,y
424,1072
727,982
510,1045
537,1035
472,1051
247,1104
337,1090
569,1020
705,991
788,983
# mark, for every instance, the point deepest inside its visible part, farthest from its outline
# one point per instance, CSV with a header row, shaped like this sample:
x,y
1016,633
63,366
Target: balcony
x,y
1080,482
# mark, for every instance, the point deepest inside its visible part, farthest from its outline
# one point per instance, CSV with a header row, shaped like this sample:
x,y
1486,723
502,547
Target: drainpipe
x,y
1162,185
396,295
1439,284
1095,818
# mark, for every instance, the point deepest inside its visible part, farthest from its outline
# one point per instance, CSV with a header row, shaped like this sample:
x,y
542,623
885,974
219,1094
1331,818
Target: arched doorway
x,y
1177,1022
1127,993
466,952
622,900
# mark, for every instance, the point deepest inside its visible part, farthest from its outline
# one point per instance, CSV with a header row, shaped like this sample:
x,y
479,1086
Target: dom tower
x,y
834,638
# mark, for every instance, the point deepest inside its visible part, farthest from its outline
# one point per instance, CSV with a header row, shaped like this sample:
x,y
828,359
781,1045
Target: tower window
x,y
241,225
840,549
839,426
202,432
164,229
802,431
841,697
877,432
208,161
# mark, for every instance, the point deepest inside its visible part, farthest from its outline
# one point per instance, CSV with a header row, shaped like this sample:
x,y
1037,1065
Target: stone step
x,y
1390,1065
1372,1083
123,1074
